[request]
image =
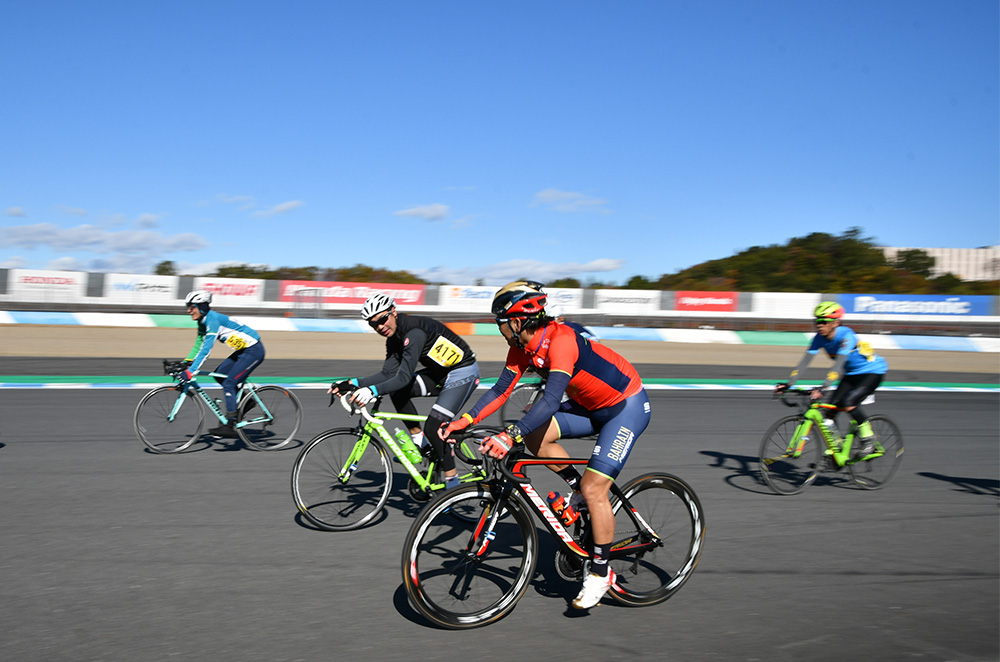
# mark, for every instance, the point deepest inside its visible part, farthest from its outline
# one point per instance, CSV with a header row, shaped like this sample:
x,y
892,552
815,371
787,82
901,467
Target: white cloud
x,y
14,262
279,209
504,272
433,212
129,251
148,220
74,211
15,211
569,201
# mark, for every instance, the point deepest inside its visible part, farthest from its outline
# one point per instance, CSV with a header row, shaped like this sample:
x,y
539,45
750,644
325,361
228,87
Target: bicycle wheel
x,y
875,472
459,575
168,421
520,402
340,482
672,510
274,428
787,467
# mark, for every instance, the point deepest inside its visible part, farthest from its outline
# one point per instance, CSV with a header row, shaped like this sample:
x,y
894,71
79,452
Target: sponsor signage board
x,y
352,293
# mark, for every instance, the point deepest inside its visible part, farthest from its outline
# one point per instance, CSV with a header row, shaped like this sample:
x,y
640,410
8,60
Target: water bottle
x,y
409,448
563,511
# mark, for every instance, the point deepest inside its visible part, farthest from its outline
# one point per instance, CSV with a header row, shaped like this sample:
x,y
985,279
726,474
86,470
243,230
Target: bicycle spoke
x,y
339,483
168,422
270,420
875,471
789,462
450,578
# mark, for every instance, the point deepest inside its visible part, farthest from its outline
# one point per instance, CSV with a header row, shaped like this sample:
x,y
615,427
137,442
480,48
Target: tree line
x,y
818,262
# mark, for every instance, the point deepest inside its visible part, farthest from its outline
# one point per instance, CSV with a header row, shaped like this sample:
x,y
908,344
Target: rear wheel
x,y
168,421
875,471
341,481
790,463
275,424
669,507
461,572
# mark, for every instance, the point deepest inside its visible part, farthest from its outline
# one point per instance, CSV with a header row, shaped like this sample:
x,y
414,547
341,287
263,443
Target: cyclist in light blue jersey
x,y
862,369
248,352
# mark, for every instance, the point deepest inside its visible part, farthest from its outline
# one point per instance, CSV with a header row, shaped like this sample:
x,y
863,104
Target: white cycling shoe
x,y
594,588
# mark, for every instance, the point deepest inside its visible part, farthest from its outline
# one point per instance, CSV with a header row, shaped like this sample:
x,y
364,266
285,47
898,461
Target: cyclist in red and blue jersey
x,y
248,352
606,397
862,369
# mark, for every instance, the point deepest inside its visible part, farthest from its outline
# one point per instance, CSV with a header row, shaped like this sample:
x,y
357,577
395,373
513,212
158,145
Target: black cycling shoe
x,y
226,430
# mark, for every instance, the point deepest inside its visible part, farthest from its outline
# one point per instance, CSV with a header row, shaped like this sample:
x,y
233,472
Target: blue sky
x,y
466,140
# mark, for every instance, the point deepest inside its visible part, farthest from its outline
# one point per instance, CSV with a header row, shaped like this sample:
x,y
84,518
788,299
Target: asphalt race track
x,y
110,552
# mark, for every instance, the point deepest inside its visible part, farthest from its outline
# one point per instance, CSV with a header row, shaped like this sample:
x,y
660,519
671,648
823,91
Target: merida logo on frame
x,y
949,306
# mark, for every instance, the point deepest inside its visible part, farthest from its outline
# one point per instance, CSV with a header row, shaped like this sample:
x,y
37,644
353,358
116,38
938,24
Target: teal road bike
x,y
797,448
170,419
342,478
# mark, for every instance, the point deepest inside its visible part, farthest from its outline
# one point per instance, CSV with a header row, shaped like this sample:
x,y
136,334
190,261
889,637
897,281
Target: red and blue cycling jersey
x,y
593,375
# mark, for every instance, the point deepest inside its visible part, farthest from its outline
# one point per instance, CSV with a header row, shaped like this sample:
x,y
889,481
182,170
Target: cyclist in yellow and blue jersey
x,y
248,353
856,364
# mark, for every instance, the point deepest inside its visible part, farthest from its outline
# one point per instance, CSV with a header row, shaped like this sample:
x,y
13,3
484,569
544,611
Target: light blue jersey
x,y
861,358
216,326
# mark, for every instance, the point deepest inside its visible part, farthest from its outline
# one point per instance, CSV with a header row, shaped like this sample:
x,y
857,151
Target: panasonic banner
x,y
917,304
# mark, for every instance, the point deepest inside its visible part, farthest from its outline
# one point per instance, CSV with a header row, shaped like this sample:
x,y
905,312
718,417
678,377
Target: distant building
x,y
965,263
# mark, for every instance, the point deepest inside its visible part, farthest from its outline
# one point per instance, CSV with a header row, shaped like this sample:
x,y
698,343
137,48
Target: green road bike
x,y
342,478
797,448
471,554
169,419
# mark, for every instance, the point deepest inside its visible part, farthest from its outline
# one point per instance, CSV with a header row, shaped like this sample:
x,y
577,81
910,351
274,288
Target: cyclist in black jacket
x,y
448,370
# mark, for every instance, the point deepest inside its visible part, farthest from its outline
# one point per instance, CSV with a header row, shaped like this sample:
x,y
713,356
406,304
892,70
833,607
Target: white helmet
x,y
376,304
198,297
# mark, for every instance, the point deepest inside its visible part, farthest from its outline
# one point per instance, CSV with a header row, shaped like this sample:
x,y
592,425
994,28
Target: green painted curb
x,y
774,338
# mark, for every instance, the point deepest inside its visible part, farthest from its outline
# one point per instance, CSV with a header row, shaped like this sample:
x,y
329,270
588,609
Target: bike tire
x,y
265,432
520,402
789,473
152,424
877,471
453,587
326,501
672,509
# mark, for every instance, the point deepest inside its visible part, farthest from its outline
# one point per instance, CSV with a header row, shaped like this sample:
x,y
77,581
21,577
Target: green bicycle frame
x,y
836,448
376,427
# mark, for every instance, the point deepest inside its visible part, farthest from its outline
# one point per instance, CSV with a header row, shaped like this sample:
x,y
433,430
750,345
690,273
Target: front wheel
x,y
520,402
459,570
875,471
271,419
168,421
789,459
340,480
671,510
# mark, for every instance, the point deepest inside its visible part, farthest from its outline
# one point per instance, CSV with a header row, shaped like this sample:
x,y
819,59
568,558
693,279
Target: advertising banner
x,y
132,288
462,298
353,293
627,301
916,304
716,302
44,286
241,292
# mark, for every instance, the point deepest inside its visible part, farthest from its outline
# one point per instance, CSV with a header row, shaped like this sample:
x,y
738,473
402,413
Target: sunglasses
x,y
823,322
377,322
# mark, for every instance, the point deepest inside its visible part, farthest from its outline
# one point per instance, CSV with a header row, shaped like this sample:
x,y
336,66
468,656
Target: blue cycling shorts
x,y
617,429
